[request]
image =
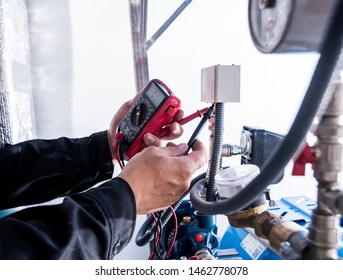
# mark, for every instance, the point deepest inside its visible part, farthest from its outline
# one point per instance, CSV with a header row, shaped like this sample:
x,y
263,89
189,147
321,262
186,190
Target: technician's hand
x,y
159,176
176,130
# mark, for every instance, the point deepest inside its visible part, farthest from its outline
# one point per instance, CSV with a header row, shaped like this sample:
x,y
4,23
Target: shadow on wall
x,y
51,66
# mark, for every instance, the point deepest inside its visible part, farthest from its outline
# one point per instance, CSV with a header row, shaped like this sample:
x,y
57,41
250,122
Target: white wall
x,y
206,33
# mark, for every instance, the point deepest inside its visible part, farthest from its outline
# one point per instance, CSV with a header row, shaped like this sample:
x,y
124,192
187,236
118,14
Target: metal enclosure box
x,y
220,83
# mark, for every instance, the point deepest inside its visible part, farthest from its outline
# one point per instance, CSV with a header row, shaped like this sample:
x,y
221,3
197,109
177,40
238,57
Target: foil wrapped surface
x,y
16,110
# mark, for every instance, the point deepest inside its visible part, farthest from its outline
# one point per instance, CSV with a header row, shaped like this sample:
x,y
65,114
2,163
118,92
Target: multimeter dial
x,y
139,114
155,107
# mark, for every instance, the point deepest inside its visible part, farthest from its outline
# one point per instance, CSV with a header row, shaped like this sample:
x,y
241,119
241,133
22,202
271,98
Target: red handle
x,y
306,156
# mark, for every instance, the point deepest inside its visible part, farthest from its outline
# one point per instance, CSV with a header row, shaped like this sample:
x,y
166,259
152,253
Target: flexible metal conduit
x,y
217,142
319,91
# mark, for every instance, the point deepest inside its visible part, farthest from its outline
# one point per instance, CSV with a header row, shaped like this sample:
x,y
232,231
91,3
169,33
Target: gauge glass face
x,y
268,22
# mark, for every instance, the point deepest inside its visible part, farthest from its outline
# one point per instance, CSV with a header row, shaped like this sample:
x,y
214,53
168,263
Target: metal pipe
x,y
324,229
282,235
229,150
286,238
169,21
323,236
138,19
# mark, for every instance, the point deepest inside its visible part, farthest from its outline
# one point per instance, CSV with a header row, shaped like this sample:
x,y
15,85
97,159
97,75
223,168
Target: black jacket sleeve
x,y
95,224
90,223
37,171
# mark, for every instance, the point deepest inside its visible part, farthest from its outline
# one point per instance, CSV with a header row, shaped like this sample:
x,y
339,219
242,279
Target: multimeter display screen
x,y
155,94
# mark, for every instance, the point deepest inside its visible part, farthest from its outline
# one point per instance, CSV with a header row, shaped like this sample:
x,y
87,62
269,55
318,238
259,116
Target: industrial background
x,y
77,67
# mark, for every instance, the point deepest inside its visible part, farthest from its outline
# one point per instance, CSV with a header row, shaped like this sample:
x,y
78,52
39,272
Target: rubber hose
x,y
216,151
327,66
146,232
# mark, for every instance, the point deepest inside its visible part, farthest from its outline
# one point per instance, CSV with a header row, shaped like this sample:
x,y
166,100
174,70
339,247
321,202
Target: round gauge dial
x,y
288,25
268,22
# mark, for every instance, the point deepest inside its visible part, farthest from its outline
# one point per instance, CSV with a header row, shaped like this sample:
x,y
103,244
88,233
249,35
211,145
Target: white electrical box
x,y
220,83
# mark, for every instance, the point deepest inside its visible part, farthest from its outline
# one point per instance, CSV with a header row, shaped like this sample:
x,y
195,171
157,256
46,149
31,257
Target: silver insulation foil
x,y
16,105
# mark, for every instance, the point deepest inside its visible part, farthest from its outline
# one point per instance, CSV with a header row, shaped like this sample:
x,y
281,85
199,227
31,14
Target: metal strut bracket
x,y
138,18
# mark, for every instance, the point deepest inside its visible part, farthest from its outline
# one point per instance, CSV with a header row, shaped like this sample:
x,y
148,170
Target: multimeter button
x,y
171,110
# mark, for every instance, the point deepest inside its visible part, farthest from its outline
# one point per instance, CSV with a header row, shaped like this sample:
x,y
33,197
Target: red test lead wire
x,y
199,113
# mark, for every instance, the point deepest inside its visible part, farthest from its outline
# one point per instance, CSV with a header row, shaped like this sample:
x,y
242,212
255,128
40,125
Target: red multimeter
x,y
154,108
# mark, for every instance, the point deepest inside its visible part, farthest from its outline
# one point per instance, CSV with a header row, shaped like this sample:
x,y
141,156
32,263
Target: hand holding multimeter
x,y
152,112
155,107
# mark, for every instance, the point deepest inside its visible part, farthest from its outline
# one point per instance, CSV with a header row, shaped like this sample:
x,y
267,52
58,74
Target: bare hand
x,y
159,176
175,129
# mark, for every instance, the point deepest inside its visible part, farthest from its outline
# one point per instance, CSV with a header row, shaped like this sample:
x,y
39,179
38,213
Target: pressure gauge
x,y
288,25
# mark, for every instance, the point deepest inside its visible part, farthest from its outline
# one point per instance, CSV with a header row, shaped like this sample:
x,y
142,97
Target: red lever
x,y
306,156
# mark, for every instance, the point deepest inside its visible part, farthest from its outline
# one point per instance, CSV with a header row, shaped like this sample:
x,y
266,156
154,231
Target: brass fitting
x,y
274,229
246,218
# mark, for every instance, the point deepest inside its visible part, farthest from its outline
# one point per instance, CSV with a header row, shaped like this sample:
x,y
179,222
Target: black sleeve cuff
x,y
116,199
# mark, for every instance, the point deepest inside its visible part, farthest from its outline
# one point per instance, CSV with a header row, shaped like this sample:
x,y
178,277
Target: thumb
x,y
176,150
151,140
